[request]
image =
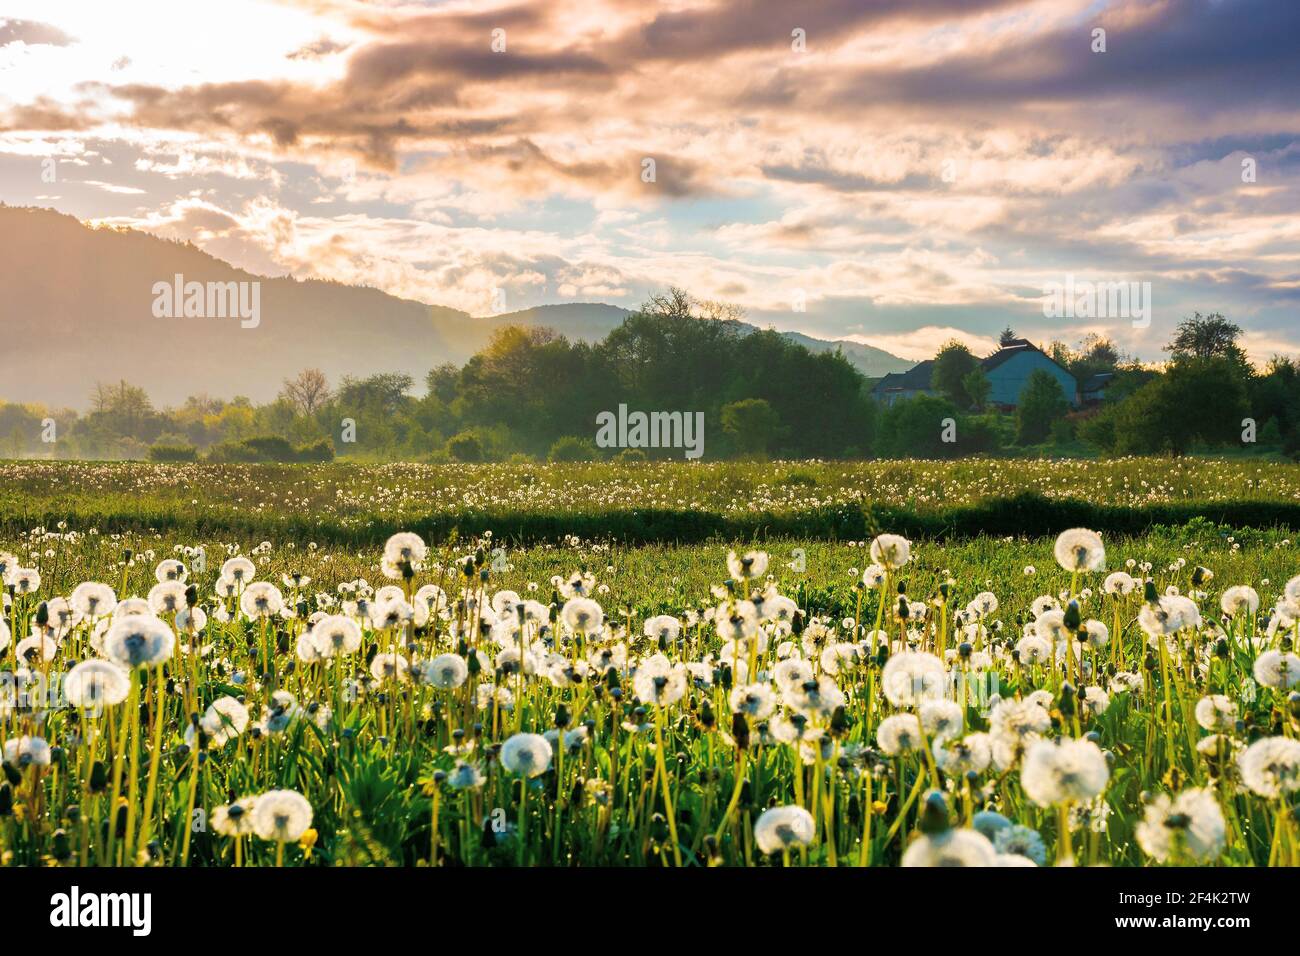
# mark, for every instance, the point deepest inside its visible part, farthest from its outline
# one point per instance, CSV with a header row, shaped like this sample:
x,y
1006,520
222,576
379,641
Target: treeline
x,y
532,393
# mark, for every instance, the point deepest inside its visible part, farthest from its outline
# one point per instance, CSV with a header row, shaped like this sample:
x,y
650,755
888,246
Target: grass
x,y
642,784
353,505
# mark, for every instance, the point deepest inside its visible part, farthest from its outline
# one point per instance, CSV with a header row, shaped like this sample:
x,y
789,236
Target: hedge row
x,y
1023,514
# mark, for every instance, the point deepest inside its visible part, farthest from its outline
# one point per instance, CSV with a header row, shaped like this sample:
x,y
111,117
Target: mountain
x,y
867,359
78,305
587,321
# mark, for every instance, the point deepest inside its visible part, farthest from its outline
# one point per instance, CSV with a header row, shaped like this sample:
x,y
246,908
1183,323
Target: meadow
x,y
264,665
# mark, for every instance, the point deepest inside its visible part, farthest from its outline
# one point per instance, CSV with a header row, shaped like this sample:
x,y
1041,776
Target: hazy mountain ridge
x,y
76,307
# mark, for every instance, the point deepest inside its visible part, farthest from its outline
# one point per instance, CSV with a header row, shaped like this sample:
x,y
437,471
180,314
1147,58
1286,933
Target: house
x,y
900,385
1094,387
1008,370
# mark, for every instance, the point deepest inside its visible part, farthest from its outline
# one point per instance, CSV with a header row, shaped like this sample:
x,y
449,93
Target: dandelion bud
x,y
1066,700
98,777
934,814
12,774
839,722
965,649
1221,648
73,813
62,849
658,827
1149,593
562,717
1072,617
707,718
740,730
6,800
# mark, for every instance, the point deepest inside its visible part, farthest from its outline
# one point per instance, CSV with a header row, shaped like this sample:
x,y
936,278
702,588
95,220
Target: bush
x,y
170,452
570,448
232,452
322,450
271,448
631,456
465,447
262,449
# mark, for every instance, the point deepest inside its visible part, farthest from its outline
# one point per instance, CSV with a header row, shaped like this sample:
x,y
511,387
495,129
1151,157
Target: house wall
x,y
1012,375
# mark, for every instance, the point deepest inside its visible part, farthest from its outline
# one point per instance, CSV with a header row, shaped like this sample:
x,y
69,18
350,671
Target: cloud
x,y
924,342
113,187
935,161
318,48
32,33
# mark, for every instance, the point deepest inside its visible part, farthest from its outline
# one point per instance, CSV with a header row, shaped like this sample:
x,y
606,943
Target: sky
x,y
897,172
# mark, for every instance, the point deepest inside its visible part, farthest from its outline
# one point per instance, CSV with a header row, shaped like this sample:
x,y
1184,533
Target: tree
x,y
1007,337
442,381
1205,337
917,427
978,388
676,303
125,411
951,366
308,392
1041,402
753,425
1195,401
385,392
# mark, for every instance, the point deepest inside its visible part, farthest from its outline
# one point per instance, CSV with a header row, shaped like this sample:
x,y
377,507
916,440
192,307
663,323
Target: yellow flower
x,y
306,842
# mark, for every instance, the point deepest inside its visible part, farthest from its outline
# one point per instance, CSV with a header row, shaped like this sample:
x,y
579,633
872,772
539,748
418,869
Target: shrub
x,y
570,448
465,447
271,448
173,452
631,456
322,450
268,448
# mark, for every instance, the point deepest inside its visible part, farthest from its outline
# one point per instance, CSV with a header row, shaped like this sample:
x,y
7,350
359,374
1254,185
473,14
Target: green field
x,y
646,503
398,769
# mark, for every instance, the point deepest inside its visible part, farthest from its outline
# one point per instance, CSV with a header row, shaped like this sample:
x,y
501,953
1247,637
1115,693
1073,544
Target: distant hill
x,y
77,306
869,360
